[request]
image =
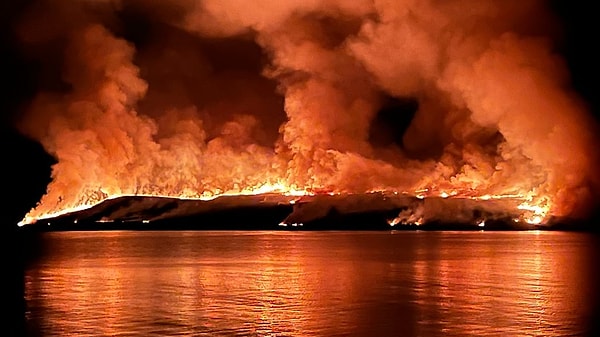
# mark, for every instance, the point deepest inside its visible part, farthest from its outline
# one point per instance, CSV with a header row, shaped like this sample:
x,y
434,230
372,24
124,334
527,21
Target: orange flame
x,y
494,119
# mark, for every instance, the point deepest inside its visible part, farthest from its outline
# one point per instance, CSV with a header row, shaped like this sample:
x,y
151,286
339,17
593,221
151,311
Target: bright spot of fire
x,y
535,213
293,224
407,218
534,220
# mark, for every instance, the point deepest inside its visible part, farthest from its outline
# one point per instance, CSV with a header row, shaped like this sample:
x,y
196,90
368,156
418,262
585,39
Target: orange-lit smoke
x,y
202,98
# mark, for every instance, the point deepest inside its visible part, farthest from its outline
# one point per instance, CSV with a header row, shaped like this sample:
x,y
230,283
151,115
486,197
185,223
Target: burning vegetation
x,y
201,99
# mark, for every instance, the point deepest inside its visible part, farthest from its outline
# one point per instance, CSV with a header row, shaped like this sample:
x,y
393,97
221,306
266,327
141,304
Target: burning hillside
x,y
371,211
428,100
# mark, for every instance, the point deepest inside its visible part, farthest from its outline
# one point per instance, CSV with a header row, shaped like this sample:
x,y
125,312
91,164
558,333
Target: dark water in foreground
x,y
312,284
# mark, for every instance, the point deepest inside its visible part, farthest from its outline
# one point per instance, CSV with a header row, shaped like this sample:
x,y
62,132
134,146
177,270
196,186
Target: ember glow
x,y
200,99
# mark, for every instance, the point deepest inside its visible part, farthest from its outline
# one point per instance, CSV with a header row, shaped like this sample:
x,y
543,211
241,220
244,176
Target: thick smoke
x,y
198,98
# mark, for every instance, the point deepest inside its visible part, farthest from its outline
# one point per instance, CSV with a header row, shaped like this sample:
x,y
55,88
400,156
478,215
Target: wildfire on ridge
x,y
532,212
278,188
421,99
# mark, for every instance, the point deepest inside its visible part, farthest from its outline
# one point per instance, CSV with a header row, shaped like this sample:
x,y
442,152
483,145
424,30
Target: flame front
x,y
225,99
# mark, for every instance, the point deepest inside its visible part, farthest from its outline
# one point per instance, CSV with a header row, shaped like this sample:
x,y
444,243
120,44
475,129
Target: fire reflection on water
x,y
462,293
310,283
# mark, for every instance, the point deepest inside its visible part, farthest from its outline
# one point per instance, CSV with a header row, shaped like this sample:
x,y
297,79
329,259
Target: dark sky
x,y
27,166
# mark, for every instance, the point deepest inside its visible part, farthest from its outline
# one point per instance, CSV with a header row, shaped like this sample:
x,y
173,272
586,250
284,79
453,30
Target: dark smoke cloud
x,y
197,98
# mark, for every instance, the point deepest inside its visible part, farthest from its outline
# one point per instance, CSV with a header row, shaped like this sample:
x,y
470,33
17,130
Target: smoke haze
x,y
199,98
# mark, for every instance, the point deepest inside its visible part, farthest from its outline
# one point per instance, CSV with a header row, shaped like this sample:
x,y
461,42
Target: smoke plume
x,y
194,98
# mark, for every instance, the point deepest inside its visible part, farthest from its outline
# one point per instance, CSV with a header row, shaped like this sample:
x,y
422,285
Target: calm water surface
x,y
312,284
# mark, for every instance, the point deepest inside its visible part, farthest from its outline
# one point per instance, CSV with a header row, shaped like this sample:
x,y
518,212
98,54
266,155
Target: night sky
x,y
27,167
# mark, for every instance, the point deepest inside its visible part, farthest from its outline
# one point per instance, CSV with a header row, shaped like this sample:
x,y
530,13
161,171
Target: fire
x,y
304,98
536,209
267,188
